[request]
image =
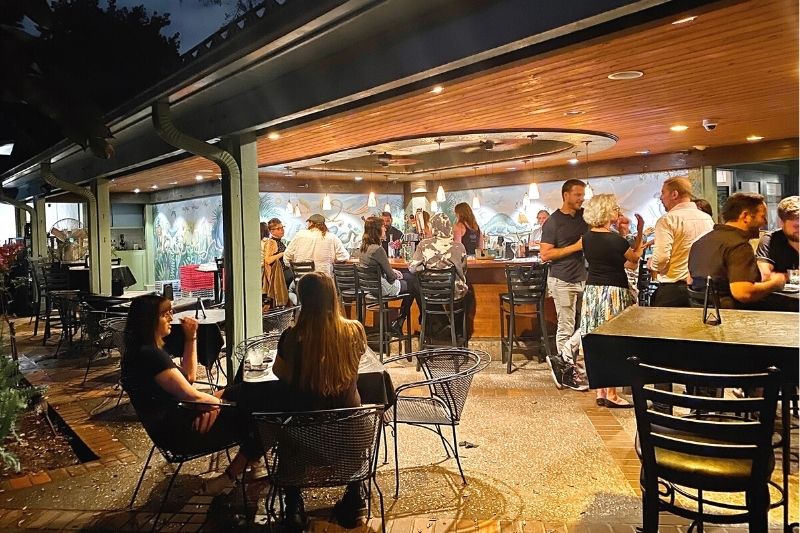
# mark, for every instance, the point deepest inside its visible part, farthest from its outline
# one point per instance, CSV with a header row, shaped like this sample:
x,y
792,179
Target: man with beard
x,y
778,251
726,255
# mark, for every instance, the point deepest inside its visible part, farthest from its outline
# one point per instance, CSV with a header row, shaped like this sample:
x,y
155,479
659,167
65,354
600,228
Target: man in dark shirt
x,y
392,233
778,251
561,244
726,255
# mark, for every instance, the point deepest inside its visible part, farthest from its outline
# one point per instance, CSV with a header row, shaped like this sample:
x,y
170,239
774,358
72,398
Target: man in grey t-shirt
x,y
562,245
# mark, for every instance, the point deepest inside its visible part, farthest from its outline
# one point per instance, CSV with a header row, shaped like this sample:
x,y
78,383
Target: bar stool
x,y
437,289
527,285
300,268
369,282
54,281
347,286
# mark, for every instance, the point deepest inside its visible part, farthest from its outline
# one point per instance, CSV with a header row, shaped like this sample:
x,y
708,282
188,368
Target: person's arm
x,y
764,261
662,249
458,232
340,253
480,240
189,357
743,289
174,383
635,251
270,252
382,259
289,253
548,252
280,368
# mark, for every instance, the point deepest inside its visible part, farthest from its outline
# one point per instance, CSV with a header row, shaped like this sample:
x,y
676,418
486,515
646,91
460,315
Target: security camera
x,y
709,124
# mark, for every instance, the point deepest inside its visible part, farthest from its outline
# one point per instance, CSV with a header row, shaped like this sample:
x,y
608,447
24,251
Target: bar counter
x,y
487,280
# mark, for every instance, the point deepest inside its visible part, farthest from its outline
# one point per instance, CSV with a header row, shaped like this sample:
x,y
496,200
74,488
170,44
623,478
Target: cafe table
x,y
78,277
745,341
209,335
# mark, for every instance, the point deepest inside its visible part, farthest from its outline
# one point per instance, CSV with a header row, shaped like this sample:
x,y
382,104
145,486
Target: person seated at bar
x,y
607,291
466,231
156,384
316,243
393,281
423,225
440,252
391,234
778,251
725,254
318,360
536,234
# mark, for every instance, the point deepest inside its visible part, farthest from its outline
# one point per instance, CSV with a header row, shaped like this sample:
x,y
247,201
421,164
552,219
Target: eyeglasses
x,y
276,227
168,313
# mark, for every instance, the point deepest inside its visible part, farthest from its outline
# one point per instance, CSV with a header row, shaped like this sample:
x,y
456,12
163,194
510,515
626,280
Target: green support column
x,y
240,215
99,219
39,229
149,245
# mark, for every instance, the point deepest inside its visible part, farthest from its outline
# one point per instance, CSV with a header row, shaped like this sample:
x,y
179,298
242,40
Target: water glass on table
x,y
794,276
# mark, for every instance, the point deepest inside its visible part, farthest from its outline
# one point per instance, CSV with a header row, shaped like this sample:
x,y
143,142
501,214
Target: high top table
x,y
745,341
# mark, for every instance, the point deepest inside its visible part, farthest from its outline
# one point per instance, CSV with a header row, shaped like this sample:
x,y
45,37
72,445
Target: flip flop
x,y
601,402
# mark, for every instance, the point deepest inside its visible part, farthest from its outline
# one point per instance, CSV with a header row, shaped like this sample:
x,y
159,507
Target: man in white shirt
x,y
676,231
316,244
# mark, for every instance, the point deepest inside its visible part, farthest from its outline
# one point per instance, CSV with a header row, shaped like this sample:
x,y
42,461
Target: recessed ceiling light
x,y
754,138
154,186
358,178
273,136
626,75
437,90
679,127
199,177
573,161
511,168
6,148
137,191
685,19
173,182
643,152
572,113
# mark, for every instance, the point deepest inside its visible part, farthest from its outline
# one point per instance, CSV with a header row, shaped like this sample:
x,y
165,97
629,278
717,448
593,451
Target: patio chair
x,y
439,399
94,329
327,448
276,321
68,306
345,276
706,450
116,330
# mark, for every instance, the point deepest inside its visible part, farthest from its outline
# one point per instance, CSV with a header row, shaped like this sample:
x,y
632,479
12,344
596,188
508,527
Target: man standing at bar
x,y
778,251
392,233
562,245
676,231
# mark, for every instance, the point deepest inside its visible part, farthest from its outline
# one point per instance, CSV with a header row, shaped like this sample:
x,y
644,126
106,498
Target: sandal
x,y
621,403
217,485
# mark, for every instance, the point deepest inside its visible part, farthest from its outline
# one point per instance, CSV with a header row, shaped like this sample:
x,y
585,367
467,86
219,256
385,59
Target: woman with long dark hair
x,y
466,231
318,361
393,281
156,384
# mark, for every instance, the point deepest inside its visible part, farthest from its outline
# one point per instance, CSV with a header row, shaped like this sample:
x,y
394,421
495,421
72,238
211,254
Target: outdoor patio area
x,y
536,459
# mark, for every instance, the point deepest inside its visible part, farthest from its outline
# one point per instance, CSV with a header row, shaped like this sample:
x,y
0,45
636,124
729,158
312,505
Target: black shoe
x,y
396,327
294,516
349,510
556,370
571,379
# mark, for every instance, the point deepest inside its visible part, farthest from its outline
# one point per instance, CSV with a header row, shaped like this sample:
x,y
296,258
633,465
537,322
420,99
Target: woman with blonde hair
x,y
607,291
466,231
318,361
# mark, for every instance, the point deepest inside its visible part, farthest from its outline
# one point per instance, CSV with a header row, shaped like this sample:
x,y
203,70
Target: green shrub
x,y
13,399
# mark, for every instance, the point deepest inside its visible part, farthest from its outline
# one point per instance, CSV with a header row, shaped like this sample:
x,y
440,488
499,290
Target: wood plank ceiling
x,y
737,64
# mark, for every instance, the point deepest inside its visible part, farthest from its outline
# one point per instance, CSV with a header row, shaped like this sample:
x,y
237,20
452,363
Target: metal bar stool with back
x,y
527,286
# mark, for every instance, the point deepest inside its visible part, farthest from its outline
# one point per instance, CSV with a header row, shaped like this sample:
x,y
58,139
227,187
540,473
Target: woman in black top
x,y
156,384
607,291
466,231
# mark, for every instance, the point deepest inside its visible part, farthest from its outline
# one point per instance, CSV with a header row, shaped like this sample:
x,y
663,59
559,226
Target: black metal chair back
x,y
345,276
68,305
437,290
527,283
276,321
327,448
301,268
708,449
450,372
369,280
644,283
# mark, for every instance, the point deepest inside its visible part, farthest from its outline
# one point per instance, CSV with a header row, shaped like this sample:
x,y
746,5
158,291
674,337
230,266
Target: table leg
x,y
217,297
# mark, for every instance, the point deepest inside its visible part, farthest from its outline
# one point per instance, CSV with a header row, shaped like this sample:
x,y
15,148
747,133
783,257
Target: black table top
x,y
745,341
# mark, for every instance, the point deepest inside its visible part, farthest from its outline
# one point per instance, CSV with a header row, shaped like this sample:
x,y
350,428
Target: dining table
x,y
78,277
209,335
743,341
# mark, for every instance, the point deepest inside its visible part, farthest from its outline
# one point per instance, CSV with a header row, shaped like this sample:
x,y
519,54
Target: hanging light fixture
x,y
526,199
326,200
387,207
297,212
440,197
476,202
434,206
589,192
371,201
533,189
289,206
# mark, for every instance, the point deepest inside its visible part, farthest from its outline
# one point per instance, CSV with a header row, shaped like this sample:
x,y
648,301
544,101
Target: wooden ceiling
x,y
737,64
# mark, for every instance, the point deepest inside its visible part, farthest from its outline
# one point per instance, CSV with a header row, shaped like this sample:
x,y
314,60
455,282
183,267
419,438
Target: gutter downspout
x,y
162,122
95,277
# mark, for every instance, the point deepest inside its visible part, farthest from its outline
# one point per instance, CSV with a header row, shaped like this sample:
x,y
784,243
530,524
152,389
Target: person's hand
x,y
639,224
578,246
397,274
778,280
647,245
189,326
205,419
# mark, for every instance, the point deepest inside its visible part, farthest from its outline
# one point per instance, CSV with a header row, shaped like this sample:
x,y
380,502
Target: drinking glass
x,y
794,276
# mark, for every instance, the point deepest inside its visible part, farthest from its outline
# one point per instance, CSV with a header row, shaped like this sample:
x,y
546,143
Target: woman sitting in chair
x,y
156,384
393,281
318,362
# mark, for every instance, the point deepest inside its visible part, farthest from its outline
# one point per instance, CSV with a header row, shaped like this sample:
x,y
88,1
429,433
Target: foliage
x,y
13,399
9,254
234,8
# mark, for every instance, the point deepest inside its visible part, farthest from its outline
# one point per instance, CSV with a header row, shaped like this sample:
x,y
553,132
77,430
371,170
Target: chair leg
x,y
88,365
141,477
396,460
444,442
374,481
650,509
452,317
758,509
166,496
511,326
385,446
38,314
502,334
455,452
423,330
380,331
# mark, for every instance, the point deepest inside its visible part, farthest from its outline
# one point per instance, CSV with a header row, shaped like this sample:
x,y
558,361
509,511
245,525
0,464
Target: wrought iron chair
x,y
369,282
346,278
437,295
527,286
276,321
327,448
707,449
52,283
116,329
439,399
68,306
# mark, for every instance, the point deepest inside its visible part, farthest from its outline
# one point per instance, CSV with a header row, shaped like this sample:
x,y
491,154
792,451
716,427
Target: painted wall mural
x,y
186,233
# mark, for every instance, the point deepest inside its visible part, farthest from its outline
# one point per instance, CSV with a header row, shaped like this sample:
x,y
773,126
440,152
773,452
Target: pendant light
x,y
387,207
434,207
526,199
533,189
326,200
589,192
476,202
440,197
289,207
371,201
297,212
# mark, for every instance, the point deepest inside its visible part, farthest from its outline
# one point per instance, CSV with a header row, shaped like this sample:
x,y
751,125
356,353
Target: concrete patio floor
x,y
545,460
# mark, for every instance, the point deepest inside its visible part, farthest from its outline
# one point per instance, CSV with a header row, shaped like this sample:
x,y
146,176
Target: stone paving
x,y
545,461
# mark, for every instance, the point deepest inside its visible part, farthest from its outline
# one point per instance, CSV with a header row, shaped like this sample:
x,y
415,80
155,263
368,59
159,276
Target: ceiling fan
x,y
388,160
494,146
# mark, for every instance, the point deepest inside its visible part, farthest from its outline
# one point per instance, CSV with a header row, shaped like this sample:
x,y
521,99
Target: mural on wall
x,y
343,219
186,233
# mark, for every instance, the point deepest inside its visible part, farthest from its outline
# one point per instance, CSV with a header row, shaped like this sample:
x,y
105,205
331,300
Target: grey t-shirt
x,y
561,230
